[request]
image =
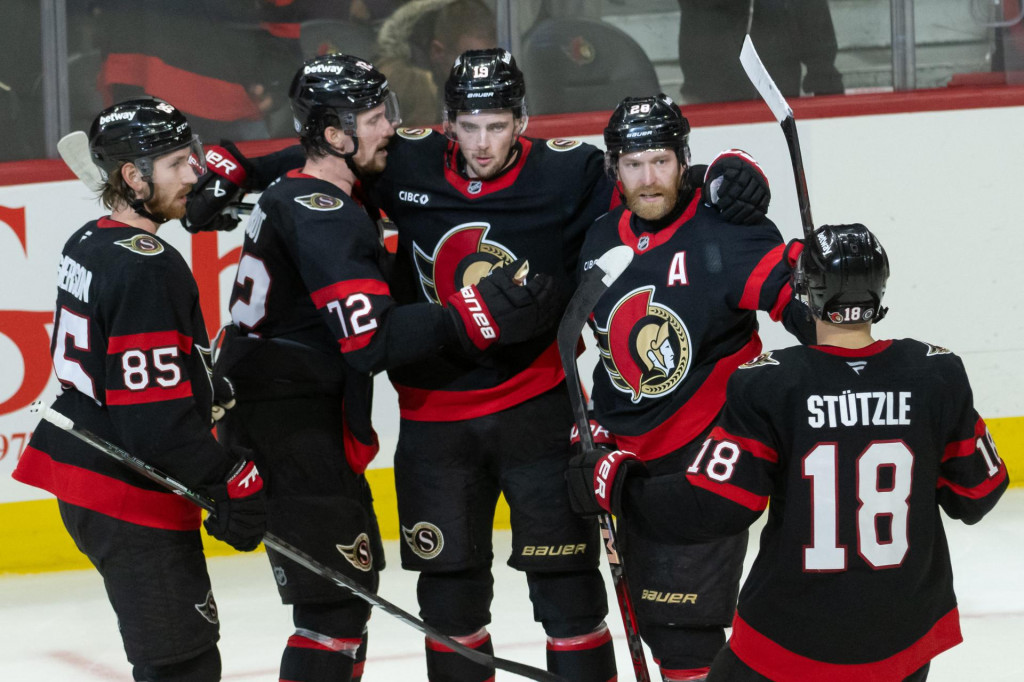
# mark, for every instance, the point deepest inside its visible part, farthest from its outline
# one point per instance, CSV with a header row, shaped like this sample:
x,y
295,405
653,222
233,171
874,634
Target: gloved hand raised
x,y
212,203
737,186
502,309
240,517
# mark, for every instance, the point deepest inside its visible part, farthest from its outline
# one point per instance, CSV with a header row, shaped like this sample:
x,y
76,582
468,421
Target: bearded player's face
x,y
173,177
375,130
485,141
650,181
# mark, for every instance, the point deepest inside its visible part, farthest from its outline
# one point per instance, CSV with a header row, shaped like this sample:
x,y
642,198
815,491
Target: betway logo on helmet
x,y
333,68
117,116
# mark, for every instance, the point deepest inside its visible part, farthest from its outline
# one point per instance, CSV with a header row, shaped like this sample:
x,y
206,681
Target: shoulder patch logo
x,y
144,244
424,539
320,202
936,350
762,360
208,609
358,553
563,144
414,133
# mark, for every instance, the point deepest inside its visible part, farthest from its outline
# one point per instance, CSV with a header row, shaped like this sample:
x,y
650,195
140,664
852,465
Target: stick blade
x,y
761,80
613,262
74,150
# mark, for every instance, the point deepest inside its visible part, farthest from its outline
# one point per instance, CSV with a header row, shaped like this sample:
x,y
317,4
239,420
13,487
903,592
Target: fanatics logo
x,y
858,366
358,553
143,244
320,202
424,539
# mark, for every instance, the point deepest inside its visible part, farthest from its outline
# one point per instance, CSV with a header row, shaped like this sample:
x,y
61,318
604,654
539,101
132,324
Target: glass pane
x,y
21,67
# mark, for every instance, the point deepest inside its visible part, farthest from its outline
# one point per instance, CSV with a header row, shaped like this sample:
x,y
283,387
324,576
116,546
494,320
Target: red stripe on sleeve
x,y
752,289
154,394
968,446
754,447
978,491
729,491
341,290
149,341
785,296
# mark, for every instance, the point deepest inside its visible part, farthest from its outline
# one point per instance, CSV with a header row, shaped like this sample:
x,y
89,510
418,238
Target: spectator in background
x,y
196,54
788,34
418,45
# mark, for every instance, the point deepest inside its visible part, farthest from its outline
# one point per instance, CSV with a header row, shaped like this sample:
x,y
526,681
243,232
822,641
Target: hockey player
x,y
130,350
671,329
856,443
473,427
313,318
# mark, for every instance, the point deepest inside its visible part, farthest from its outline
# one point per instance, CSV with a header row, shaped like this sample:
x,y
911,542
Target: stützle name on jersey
x,y
865,408
74,278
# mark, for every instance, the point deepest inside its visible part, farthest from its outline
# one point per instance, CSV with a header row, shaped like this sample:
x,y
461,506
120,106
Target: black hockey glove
x,y
580,472
596,477
213,202
499,309
737,187
223,396
240,518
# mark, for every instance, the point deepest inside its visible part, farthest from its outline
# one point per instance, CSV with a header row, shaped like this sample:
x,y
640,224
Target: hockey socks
x,y
444,665
586,658
689,675
312,657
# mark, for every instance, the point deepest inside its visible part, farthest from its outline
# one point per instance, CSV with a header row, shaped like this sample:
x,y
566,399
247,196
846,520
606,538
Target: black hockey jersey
x,y
680,319
452,230
131,351
312,281
857,450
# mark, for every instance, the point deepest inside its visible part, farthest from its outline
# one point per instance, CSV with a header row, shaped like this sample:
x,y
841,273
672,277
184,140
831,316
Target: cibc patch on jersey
x,y
320,202
645,347
463,256
144,244
424,539
358,553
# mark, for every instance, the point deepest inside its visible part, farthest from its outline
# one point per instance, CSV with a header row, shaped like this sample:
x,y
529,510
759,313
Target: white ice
x,y
59,626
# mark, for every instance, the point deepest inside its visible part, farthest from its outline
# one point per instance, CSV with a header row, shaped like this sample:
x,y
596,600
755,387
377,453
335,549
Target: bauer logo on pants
x,y
424,539
358,553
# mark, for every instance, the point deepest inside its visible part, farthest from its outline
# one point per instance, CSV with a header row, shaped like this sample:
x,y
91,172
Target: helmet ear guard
x,y
841,275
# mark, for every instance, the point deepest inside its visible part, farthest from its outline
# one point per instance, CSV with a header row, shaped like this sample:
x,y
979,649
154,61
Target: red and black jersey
x,y
680,319
131,351
312,280
452,230
856,451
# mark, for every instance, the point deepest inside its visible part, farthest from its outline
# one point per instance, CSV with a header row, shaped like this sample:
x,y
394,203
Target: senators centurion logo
x,y
358,553
563,144
320,202
645,347
424,539
463,256
413,133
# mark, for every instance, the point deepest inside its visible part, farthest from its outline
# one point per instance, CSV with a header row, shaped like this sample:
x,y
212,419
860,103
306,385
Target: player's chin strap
x,y
139,205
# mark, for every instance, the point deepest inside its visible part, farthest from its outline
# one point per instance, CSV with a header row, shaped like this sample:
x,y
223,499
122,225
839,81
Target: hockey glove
x,y
500,310
240,517
595,479
223,396
737,187
580,473
212,204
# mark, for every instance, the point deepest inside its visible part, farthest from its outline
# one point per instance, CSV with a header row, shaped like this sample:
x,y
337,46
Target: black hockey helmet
x,y
642,123
841,274
331,89
485,80
140,130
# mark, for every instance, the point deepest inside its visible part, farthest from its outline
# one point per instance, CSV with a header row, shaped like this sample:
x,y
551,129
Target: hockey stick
x,y
292,552
74,150
595,282
769,92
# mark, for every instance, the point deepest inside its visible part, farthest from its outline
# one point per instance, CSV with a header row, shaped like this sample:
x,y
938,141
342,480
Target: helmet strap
x,y
139,205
